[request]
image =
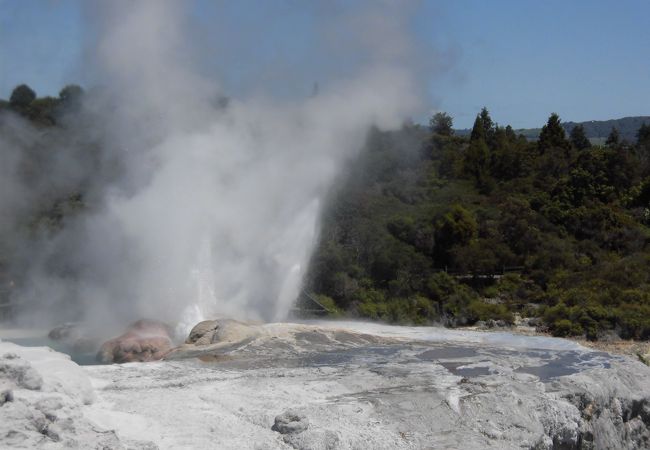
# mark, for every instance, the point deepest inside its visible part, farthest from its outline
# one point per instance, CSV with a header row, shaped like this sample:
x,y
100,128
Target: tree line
x,y
422,202
42,110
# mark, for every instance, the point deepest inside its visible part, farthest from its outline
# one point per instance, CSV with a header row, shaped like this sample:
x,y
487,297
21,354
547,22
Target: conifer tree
x,y
552,135
613,139
477,157
488,125
489,128
643,136
478,130
579,138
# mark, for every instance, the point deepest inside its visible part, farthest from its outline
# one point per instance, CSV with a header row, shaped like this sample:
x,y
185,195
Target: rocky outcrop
x,y
42,398
609,417
214,338
62,332
19,373
221,331
204,333
339,387
219,338
333,387
294,427
144,340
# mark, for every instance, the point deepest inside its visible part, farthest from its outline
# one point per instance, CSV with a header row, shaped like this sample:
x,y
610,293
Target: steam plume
x,y
216,207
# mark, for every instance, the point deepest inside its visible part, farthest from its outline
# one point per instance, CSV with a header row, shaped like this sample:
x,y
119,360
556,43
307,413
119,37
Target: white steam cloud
x,y
217,204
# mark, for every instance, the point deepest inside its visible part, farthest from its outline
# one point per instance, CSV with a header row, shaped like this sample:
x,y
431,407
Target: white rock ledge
x,y
357,386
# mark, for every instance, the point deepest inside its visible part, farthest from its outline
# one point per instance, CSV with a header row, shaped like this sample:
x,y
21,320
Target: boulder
x,y
63,332
214,338
220,331
144,340
74,336
290,422
204,333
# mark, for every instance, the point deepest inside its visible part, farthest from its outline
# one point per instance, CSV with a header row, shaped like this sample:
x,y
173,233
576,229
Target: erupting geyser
x,y
216,203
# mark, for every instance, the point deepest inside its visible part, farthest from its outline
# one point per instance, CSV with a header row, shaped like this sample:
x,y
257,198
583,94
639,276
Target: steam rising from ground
x,y
216,209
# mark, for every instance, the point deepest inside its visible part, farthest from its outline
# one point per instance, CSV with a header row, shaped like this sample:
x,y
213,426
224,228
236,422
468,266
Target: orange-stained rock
x,y
144,340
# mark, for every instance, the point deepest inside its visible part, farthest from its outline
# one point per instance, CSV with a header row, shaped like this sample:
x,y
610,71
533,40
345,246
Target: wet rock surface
x,y
144,340
333,386
337,387
222,338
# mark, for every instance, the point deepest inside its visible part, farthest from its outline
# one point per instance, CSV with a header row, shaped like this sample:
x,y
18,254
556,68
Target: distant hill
x,y
627,127
596,130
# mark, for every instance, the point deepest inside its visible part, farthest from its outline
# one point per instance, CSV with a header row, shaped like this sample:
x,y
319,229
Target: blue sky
x,y
585,59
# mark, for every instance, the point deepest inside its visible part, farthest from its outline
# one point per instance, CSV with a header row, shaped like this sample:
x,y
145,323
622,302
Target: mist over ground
x,y
198,200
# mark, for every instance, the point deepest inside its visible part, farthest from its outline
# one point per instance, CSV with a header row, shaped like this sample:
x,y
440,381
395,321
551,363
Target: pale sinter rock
x,y
19,372
42,399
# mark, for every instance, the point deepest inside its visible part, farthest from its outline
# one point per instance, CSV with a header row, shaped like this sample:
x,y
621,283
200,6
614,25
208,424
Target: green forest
x,y
427,226
430,227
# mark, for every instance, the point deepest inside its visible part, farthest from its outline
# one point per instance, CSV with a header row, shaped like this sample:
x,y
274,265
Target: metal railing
x,y
457,273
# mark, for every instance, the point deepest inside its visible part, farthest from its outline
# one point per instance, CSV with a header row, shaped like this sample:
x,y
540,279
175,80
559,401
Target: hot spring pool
x,y
28,338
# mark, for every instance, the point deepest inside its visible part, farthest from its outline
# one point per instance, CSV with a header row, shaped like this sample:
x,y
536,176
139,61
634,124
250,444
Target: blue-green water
x,y
83,358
